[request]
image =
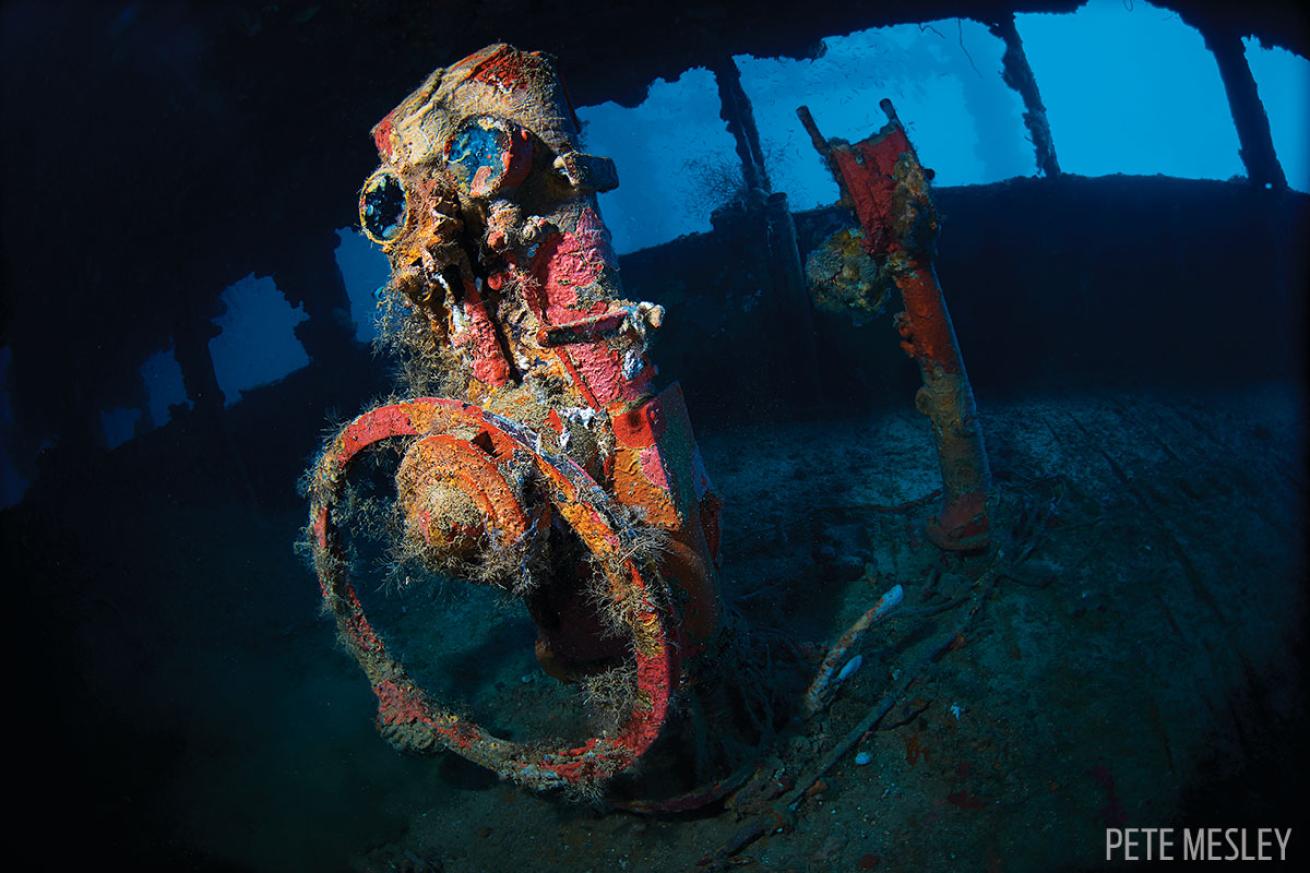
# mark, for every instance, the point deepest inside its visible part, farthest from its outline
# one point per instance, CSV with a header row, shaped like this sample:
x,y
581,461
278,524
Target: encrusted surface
x,y
505,297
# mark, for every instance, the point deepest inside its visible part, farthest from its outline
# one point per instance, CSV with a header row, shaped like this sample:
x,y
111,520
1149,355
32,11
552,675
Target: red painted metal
x,y
512,285
414,719
382,136
884,184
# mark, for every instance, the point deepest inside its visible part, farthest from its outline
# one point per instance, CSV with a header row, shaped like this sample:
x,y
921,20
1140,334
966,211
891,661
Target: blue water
x,y
1133,333
1163,113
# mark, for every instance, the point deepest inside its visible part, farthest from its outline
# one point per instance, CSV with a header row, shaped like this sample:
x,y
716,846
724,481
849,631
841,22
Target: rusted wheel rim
x,y
405,711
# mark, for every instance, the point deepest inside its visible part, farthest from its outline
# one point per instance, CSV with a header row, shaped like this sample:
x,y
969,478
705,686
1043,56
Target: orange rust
x,y
930,337
883,182
401,704
512,286
443,459
632,487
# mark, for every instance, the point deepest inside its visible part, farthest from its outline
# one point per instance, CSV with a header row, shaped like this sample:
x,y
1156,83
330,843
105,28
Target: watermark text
x,y
1197,844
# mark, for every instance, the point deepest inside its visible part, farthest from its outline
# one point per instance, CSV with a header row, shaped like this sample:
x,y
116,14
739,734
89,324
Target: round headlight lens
x,y
382,207
489,155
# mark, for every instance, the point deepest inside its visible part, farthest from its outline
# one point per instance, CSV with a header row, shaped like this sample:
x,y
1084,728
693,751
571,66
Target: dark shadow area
x,y
157,586
184,704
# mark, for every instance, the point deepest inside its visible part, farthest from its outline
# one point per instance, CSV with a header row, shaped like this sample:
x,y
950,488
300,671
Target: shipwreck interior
x,y
1134,338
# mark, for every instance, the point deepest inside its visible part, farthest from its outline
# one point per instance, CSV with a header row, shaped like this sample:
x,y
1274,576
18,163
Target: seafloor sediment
x,y
1136,668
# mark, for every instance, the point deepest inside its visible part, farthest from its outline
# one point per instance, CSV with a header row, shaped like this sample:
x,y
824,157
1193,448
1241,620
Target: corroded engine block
x,y
506,300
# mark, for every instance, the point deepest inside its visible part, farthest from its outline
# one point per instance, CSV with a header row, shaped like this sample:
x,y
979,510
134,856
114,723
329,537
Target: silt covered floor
x,y
1141,667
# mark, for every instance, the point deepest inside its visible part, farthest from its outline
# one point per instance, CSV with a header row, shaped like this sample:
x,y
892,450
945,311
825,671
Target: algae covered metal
x,y
883,182
538,454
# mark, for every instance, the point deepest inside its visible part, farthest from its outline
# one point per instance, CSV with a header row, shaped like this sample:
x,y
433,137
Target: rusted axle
x,y
883,182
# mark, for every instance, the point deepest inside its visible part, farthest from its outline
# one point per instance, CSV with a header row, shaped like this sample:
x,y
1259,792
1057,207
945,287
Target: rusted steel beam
x,y
791,304
820,144
1256,141
735,109
793,310
1018,74
883,182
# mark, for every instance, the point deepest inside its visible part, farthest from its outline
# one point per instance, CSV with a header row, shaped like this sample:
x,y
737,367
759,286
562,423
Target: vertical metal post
x,y
1253,134
791,298
882,181
1018,74
735,109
